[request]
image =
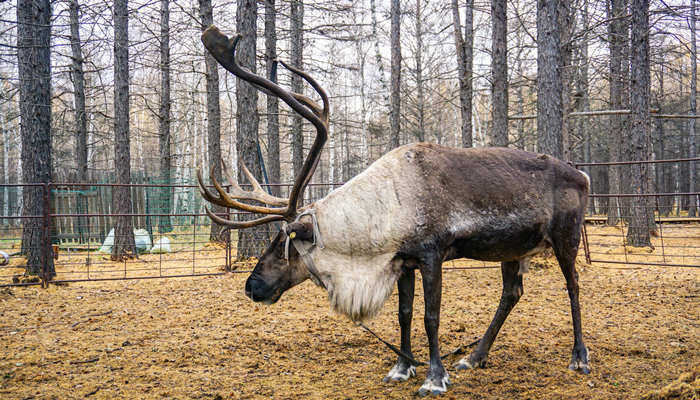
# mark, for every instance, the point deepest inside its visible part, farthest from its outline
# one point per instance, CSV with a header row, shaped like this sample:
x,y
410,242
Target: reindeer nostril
x,y
248,288
255,288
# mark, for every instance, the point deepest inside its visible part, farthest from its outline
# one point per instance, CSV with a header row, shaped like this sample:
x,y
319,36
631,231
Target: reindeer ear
x,y
300,230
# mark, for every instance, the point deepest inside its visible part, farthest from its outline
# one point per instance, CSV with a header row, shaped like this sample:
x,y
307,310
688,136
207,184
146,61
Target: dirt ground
x,y
201,338
686,387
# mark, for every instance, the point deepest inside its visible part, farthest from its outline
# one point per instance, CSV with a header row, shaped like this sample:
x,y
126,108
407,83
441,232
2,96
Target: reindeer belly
x,y
501,241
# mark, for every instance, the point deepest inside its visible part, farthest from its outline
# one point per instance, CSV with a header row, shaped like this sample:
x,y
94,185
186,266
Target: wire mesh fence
x,y
666,212
74,233
673,240
21,232
172,233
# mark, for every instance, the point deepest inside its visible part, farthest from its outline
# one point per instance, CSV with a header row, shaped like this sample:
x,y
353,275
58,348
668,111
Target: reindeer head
x,y
278,269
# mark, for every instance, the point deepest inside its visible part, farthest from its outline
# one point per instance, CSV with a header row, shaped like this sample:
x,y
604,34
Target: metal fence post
x,y
584,234
48,249
586,249
227,239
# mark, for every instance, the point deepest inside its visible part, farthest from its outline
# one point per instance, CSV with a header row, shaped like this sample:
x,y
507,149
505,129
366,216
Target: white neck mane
x,y
357,286
363,224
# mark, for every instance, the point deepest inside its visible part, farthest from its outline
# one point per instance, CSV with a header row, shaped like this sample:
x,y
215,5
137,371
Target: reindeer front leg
x,y
403,370
431,271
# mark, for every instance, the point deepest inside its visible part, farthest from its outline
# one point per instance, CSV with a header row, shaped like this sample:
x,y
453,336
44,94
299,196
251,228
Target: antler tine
x,y
225,200
228,201
242,224
257,194
207,194
233,204
317,88
309,103
229,178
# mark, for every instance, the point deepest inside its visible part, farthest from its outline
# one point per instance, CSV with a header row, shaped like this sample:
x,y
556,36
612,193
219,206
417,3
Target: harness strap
x,y
410,359
317,241
303,248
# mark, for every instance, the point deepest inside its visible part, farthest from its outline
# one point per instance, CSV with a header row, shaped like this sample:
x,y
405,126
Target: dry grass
x,y
201,338
686,387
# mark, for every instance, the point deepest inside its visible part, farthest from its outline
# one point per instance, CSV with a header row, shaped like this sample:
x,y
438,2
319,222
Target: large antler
x,y
224,51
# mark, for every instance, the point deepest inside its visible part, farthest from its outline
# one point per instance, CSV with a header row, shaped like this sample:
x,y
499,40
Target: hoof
x,y
400,372
580,366
471,362
434,386
579,360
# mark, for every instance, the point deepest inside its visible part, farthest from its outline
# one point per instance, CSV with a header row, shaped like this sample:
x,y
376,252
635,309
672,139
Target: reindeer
x,y
414,208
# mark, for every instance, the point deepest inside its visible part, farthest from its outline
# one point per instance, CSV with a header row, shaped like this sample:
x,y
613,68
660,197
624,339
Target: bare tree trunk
x,y
566,25
20,167
616,38
364,117
79,93
78,77
377,50
499,73
624,170
297,49
669,181
600,177
332,160
419,73
6,134
247,120
638,232
124,246
662,170
584,102
520,138
395,114
682,146
34,65
692,149
164,224
549,82
347,174
465,47
213,113
273,125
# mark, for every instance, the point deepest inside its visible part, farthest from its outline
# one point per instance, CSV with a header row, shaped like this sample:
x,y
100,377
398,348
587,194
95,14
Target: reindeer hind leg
x,y
565,244
512,290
